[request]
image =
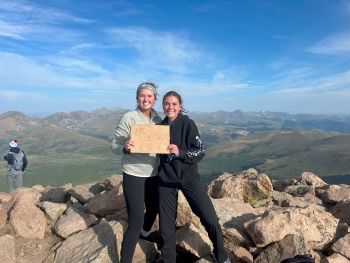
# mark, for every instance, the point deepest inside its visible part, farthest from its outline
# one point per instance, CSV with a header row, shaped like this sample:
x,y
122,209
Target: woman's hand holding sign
x,y
129,144
173,149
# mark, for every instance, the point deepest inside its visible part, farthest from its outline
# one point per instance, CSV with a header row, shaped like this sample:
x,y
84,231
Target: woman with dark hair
x,y
139,172
179,171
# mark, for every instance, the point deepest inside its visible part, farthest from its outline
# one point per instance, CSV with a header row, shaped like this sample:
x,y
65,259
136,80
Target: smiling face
x,y
146,99
171,107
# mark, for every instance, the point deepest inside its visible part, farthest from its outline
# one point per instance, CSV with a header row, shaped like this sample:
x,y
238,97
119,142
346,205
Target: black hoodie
x,y
183,168
9,157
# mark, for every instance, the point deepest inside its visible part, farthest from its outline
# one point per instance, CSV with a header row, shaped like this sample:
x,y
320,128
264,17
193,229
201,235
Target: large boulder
x,y
249,187
190,240
312,179
341,211
55,194
84,192
52,210
110,182
26,219
106,203
342,246
102,243
332,194
287,247
73,221
318,228
232,214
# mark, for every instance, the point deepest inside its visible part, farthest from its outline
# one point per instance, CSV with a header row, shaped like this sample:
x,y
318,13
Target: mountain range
x,y
74,146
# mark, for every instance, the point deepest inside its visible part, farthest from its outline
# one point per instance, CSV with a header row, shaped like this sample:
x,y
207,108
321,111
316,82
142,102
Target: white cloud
x,y
339,83
162,50
334,45
76,66
28,72
12,31
53,72
25,20
29,13
66,72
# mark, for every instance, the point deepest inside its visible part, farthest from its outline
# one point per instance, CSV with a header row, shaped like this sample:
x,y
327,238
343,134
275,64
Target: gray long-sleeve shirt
x,y
137,164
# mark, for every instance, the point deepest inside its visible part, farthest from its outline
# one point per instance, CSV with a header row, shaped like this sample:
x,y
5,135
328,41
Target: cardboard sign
x,y
150,138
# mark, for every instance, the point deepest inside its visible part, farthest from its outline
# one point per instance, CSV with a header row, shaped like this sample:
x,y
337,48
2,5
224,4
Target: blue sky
x,y
250,55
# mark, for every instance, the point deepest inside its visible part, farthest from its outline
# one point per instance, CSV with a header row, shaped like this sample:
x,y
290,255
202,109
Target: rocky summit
x,y
262,221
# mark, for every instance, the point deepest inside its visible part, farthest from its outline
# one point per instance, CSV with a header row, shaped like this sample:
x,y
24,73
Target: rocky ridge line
x,y
262,220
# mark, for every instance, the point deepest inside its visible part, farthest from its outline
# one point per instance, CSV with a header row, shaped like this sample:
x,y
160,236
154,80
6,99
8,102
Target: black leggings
x,y
201,206
138,192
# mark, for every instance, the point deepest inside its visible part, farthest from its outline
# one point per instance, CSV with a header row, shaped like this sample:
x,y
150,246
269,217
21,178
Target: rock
x,y
17,194
312,179
341,211
232,214
83,193
110,182
102,243
5,197
288,247
96,244
318,228
300,190
190,240
121,215
239,254
7,249
56,194
342,246
332,194
280,185
342,230
73,221
335,258
311,198
91,224
52,210
3,218
224,186
300,203
249,187
27,220
107,202
280,197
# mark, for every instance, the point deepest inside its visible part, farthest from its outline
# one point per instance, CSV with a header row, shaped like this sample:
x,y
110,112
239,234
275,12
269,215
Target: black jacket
x,y
183,168
9,157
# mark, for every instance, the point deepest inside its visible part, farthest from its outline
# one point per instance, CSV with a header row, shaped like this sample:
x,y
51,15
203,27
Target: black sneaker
x,y
150,238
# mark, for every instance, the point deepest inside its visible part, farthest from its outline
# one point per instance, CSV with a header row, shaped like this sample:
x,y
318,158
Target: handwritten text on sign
x,y
150,138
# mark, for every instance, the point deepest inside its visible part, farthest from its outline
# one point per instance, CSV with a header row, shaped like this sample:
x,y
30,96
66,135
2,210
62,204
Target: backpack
x,y
307,258
17,160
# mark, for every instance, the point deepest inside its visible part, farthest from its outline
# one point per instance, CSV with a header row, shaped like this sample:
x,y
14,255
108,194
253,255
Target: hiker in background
x,y
139,172
178,170
17,163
